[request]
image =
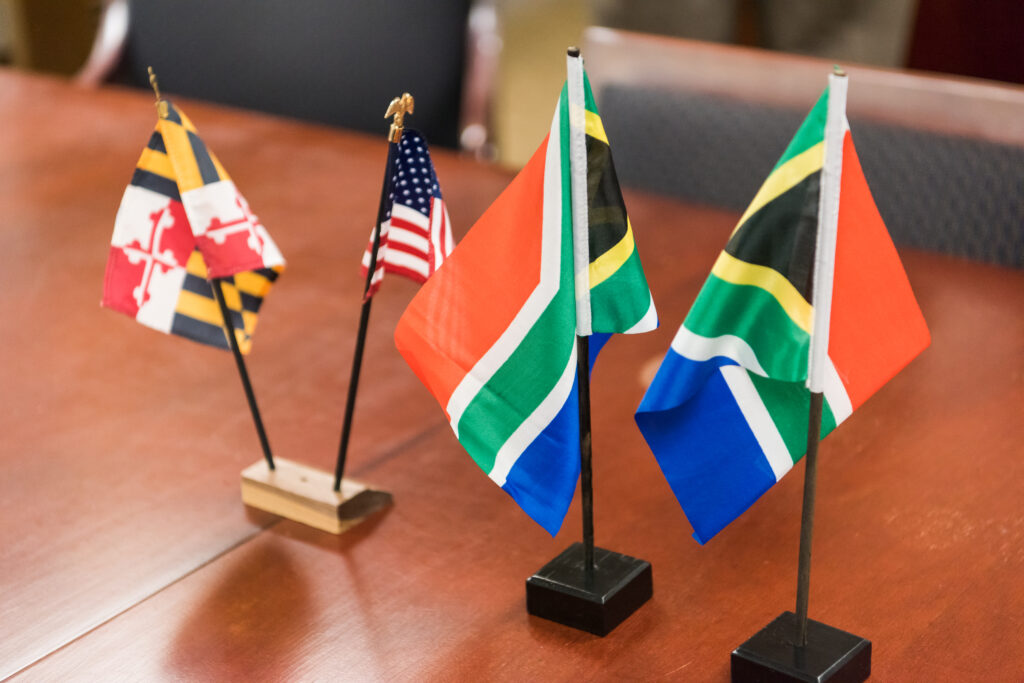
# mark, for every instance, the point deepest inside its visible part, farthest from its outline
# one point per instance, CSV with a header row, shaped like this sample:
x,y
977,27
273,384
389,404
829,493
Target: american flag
x,y
416,235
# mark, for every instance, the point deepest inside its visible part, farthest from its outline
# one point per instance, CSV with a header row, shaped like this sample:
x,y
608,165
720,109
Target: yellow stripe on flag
x,y
595,128
252,283
249,319
207,310
231,296
731,269
244,341
196,265
784,178
200,307
156,162
605,265
179,149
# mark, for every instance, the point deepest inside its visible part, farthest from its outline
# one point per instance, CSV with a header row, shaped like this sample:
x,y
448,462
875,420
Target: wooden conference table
x,y
126,553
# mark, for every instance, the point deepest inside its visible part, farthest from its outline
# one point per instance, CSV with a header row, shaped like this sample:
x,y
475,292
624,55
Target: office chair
x,y
331,61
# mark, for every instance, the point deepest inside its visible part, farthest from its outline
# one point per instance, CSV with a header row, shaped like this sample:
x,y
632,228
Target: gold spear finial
x,y
161,103
838,70
399,107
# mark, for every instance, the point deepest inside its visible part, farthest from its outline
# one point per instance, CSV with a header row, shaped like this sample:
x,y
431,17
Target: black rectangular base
x,y
830,655
559,592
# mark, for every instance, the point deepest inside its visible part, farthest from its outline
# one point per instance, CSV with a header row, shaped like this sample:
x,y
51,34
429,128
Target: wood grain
x,y
122,447
121,457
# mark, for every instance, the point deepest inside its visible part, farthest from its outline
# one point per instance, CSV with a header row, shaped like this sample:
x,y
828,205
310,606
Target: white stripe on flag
x,y
700,349
410,261
397,235
437,225
835,393
757,417
403,212
540,297
449,238
536,423
648,322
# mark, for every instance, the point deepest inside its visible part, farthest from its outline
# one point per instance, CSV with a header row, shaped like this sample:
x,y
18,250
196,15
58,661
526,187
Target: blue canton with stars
x,y
414,182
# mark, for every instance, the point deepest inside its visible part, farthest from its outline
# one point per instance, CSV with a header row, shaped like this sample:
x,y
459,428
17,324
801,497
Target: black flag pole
x,y
586,464
398,108
803,582
793,647
586,587
364,320
250,396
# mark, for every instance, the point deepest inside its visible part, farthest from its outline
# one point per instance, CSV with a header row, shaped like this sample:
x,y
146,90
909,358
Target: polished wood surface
x,y
126,554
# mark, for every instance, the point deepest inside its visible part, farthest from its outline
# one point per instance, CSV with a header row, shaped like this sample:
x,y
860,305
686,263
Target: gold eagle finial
x,y
399,107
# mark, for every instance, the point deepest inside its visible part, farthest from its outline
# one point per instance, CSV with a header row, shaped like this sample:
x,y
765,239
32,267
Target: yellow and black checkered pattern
x,y
175,161
197,314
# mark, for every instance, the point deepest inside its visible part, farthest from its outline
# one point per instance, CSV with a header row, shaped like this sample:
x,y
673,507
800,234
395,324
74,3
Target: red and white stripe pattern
x,y
416,235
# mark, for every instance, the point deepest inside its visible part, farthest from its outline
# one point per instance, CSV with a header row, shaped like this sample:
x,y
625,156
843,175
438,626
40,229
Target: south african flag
x,y
727,413
493,332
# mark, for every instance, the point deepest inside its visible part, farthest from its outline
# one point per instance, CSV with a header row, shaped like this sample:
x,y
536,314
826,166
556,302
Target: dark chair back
x,y
332,61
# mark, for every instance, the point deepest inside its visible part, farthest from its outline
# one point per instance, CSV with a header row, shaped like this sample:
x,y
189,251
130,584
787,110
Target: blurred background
x,y
503,58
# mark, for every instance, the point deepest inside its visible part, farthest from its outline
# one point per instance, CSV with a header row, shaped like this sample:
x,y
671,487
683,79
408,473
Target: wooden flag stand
x,y
793,647
290,489
585,587
305,494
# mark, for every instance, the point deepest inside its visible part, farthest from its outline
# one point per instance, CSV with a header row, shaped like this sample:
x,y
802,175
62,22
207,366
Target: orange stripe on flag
x,y
877,326
479,288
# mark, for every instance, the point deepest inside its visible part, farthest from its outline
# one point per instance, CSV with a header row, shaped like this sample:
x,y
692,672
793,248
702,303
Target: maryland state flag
x,y
492,333
808,295
181,223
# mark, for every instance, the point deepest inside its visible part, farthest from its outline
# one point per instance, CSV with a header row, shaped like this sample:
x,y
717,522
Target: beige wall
x,y
50,35
536,34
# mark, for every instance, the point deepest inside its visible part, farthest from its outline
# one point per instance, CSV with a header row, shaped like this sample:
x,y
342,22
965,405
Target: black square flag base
x,y
770,656
559,591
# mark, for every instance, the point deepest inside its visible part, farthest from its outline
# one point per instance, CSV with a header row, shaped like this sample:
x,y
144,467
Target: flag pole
x,y
586,468
364,320
581,237
821,298
242,372
559,591
397,109
803,583
161,110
